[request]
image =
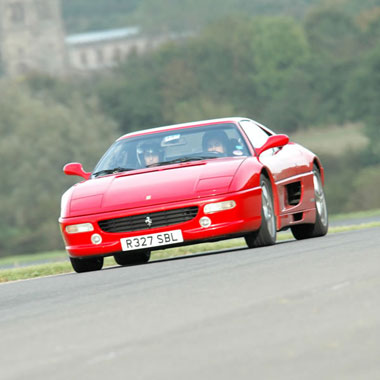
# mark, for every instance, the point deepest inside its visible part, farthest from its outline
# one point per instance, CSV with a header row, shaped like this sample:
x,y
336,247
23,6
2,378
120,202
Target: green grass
x,y
22,260
64,266
356,215
332,140
34,271
22,270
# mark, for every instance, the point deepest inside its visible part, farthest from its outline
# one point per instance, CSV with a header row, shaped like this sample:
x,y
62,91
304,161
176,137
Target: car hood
x,y
153,186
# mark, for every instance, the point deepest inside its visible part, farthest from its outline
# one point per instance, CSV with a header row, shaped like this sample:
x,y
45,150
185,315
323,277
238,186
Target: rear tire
x,y
267,233
321,225
87,265
132,258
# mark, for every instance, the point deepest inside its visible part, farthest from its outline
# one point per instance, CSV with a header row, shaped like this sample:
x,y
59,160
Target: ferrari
x,y
191,183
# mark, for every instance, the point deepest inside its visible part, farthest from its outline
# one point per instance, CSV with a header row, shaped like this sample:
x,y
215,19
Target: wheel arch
x,y
318,164
266,172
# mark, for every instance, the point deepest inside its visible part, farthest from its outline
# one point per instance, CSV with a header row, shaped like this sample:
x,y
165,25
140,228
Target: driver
x,y
215,141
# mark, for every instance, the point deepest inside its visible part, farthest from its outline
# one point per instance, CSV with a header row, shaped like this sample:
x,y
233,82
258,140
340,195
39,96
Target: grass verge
x,y
64,266
356,215
315,139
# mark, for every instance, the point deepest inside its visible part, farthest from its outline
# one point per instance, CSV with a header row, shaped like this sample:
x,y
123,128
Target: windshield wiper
x,y
111,171
181,159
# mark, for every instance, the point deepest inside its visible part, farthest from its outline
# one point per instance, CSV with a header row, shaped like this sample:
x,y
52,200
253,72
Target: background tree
x,y
363,99
237,63
168,16
87,15
193,15
38,137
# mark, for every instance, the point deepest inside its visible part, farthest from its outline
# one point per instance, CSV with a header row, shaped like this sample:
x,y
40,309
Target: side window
x,y
99,57
256,135
117,55
83,58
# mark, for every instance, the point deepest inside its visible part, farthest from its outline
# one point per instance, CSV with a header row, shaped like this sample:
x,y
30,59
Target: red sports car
x,y
191,183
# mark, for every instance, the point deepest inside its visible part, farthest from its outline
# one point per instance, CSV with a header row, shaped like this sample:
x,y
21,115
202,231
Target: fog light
x,y
78,228
220,206
96,239
205,222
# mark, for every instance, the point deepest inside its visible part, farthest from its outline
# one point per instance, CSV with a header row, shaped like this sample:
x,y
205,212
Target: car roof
x,y
183,125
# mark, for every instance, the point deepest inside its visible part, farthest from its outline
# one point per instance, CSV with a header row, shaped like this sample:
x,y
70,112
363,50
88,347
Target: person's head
x,y
215,141
150,153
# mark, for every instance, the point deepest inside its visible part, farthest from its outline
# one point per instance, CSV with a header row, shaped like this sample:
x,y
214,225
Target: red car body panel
x,y
162,184
195,183
232,222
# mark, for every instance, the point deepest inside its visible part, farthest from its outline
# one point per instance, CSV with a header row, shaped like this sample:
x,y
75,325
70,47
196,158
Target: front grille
x,y
149,220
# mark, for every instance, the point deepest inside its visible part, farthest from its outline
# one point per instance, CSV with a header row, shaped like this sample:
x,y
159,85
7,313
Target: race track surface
x,y
298,310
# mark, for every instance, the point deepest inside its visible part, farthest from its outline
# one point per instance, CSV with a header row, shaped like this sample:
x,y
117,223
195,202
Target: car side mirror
x,y
75,168
275,141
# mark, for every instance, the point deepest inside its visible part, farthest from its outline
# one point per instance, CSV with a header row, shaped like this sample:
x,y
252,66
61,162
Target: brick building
x,y
105,49
32,37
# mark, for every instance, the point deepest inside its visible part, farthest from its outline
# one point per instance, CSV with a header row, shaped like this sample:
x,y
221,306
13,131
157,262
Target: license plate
x,y
151,240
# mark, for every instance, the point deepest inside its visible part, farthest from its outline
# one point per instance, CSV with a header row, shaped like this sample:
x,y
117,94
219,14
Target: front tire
x,y
132,258
267,233
321,225
87,265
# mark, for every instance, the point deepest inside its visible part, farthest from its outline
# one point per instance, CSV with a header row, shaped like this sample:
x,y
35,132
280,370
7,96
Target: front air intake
x,y
149,220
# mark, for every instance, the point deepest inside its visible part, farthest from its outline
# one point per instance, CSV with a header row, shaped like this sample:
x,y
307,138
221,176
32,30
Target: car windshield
x,y
170,147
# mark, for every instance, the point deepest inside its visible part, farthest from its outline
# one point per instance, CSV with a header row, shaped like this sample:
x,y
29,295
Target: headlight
x,y
220,206
78,228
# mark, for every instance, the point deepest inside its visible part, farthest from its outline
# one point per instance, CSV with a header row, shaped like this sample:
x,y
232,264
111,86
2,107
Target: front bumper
x,y
245,217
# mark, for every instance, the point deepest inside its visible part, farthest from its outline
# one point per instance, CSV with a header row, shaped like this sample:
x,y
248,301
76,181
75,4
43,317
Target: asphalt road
x,y
297,310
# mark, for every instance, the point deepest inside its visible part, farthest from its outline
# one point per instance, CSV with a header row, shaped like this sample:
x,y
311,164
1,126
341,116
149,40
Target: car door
x,y
282,162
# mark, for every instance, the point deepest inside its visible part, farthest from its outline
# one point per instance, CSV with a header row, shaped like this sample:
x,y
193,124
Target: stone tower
x,y
31,38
